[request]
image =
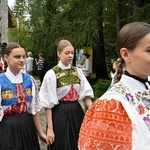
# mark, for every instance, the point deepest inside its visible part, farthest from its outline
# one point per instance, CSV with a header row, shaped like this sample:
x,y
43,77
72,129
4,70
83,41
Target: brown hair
x,y
86,54
128,37
10,47
62,44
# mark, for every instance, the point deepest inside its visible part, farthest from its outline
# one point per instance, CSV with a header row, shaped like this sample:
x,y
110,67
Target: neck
x,y
143,80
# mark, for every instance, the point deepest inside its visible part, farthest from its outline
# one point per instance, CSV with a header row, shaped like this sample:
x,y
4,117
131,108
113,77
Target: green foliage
x,y
83,22
100,87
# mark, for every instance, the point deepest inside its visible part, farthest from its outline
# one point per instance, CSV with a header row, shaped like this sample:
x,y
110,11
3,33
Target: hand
x,y
44,138
51,136
36,60
111,73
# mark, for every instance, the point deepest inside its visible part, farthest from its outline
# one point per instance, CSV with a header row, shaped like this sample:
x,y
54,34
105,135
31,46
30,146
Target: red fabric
x,y
21,105
106,126
71,95
16,109
20,93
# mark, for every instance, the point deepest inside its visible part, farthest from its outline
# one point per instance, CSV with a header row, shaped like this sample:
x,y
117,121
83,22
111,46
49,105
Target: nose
x,y
22,58
71,55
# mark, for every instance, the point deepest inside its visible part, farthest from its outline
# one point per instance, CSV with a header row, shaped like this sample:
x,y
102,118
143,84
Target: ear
x,y
125,54
5,57
58,54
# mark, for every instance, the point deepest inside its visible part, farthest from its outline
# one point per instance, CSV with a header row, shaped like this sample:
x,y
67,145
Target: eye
x,y
66,53
17,57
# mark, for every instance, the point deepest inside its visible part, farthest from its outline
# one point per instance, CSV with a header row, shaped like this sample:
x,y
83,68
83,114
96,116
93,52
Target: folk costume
x,y
119,119
18,102
61,89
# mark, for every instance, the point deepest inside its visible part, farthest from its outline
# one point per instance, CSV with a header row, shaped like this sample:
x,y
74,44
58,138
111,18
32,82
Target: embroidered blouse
x,y
50,94
119,119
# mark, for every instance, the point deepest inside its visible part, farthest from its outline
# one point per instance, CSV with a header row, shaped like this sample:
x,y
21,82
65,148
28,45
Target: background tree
x,y
83,22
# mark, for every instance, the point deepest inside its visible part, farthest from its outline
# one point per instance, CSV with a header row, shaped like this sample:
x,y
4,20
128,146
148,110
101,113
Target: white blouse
x,y
140,133
34,106
50,94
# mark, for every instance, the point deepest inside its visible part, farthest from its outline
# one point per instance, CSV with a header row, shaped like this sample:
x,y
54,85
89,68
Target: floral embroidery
x,y
129,97
140,100
141,109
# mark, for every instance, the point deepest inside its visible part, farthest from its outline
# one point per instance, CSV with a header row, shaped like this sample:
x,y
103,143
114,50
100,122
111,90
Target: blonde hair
x,y
62,44
30,54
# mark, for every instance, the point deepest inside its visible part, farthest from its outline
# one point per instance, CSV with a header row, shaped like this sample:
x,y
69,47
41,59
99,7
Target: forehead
x,y
68,48
145,41
18,50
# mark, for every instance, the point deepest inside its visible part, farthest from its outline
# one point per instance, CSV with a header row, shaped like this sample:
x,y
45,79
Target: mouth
x,y
21,65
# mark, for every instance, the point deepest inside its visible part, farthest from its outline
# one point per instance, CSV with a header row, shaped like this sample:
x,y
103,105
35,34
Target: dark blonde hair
x,y
62,44
10,47
41,55
128,37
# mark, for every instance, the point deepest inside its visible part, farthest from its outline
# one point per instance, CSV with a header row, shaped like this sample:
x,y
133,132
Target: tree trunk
x,y
99,50
118,15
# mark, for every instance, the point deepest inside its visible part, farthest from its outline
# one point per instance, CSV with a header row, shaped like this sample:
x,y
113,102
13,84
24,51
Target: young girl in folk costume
x,y
62,87
120,119
19,105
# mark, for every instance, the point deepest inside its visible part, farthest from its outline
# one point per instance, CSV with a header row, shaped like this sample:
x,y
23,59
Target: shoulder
x,y
26,75
2,76
56,69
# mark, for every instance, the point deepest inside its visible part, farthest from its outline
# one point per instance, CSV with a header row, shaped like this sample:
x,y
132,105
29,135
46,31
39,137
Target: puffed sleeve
x,y
35,105
48,90
113,123
85,87
106,125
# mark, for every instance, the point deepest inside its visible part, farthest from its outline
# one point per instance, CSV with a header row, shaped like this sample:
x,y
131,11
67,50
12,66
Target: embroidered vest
x,y
67,76
9,90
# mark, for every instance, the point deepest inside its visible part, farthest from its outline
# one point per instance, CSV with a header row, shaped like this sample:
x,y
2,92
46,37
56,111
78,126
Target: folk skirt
x,y
18,132
67,118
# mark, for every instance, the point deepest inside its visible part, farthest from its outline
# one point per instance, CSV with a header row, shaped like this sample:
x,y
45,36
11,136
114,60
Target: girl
x,y
62,87
86,68
19,105
120,119
113,75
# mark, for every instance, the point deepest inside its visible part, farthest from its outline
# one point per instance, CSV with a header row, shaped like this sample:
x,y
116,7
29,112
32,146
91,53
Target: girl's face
x,y
138,60
16,60
66,55
84,57
114,66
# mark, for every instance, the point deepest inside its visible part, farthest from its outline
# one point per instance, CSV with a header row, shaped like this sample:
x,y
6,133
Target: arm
x,y
50,132
86,66
87,101
85,88
39,128
36,61
106,123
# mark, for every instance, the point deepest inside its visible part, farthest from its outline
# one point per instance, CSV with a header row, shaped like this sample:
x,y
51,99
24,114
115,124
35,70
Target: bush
x,y
100,87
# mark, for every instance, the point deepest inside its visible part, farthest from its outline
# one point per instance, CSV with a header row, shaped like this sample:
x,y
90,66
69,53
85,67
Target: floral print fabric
x,y
139,100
